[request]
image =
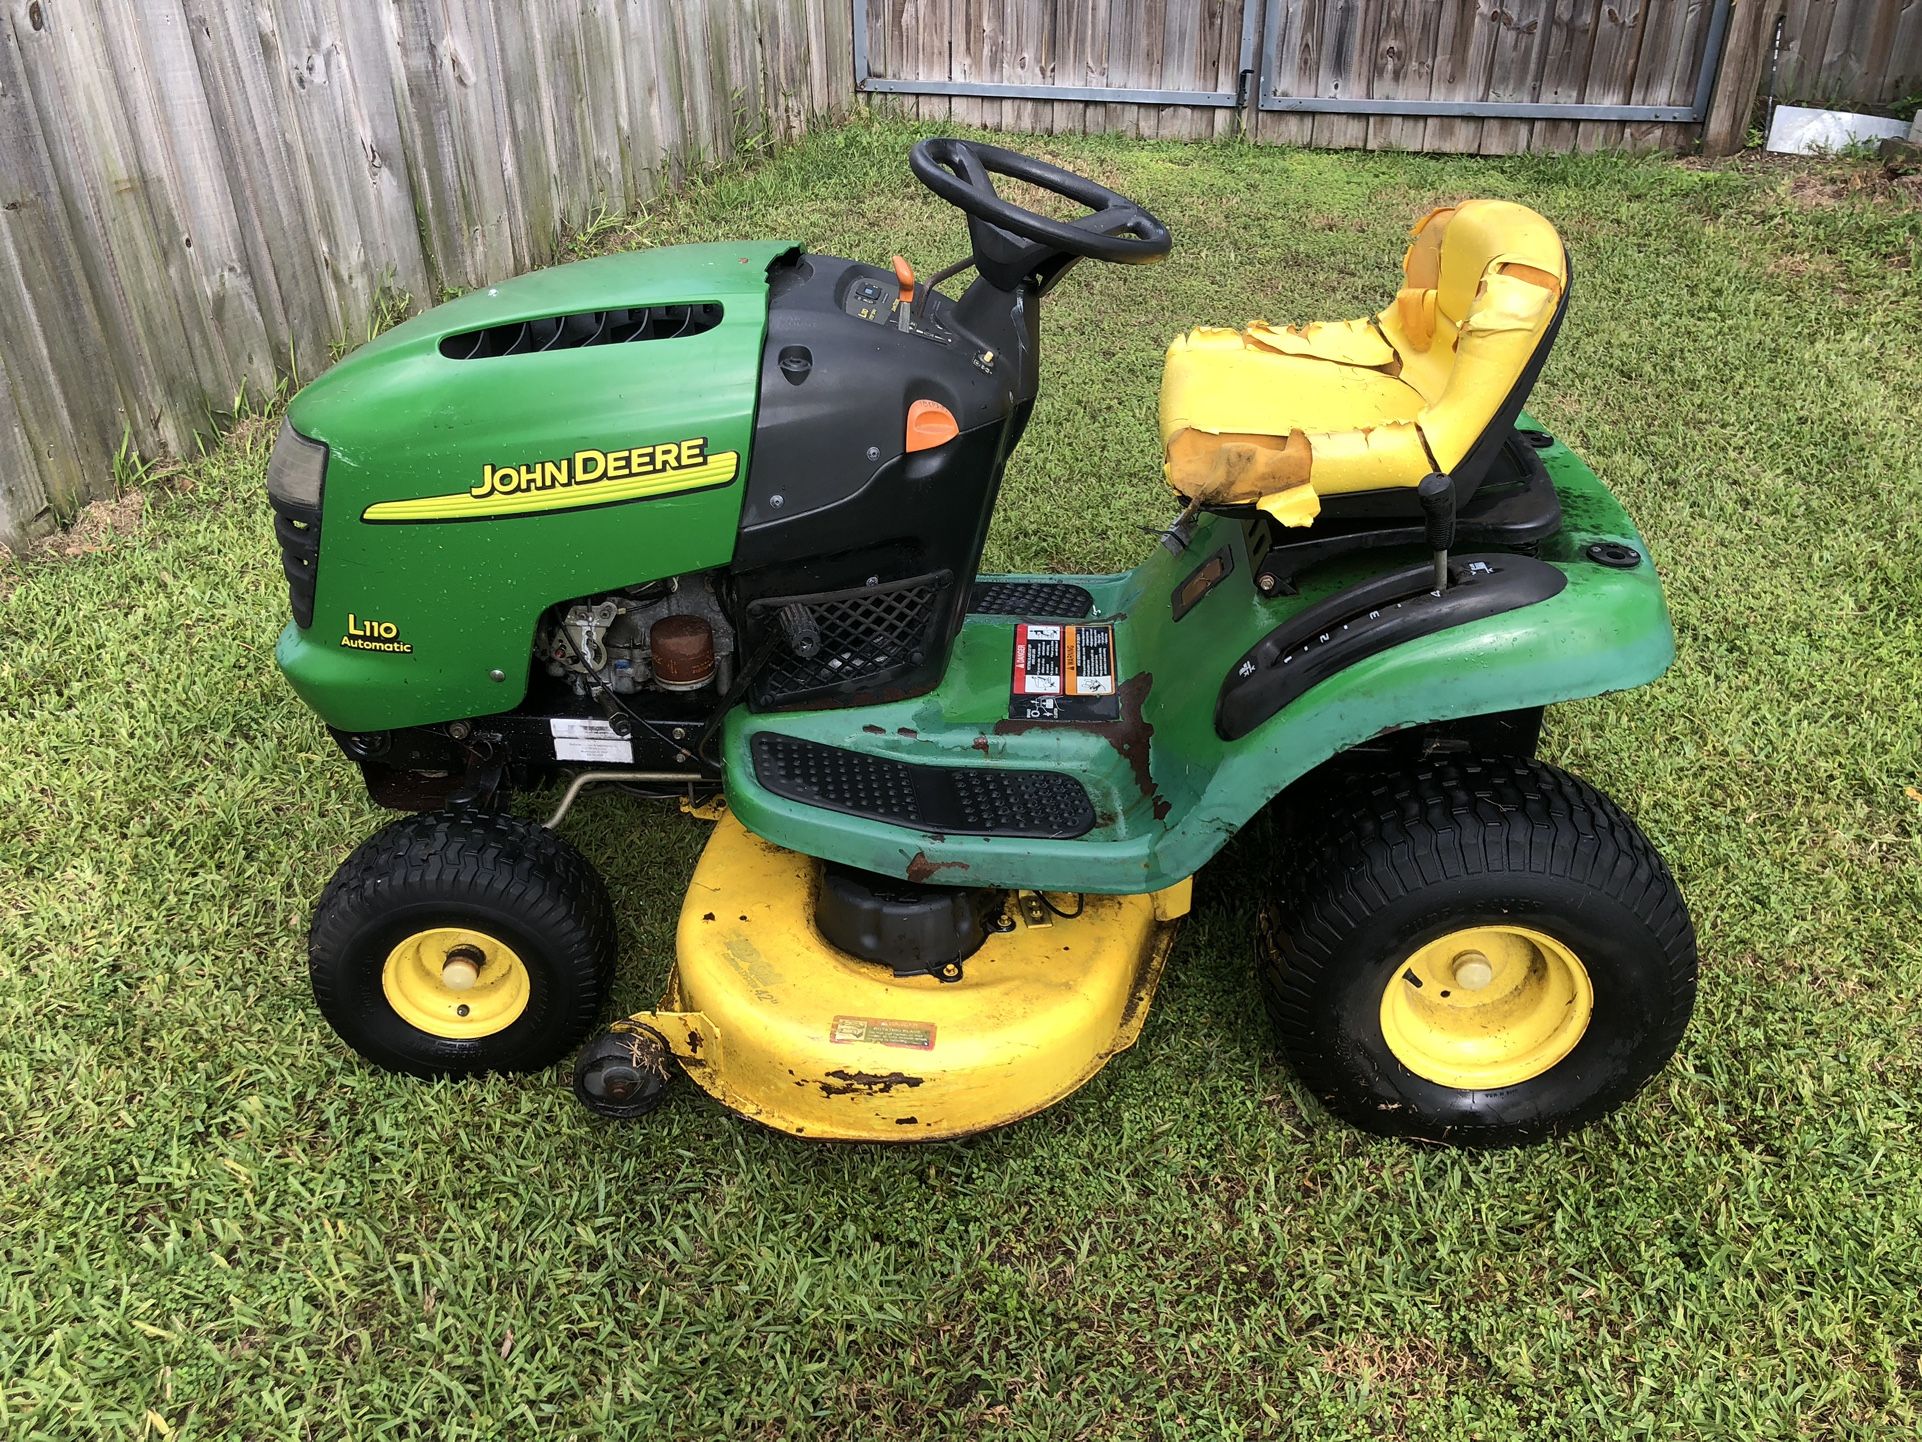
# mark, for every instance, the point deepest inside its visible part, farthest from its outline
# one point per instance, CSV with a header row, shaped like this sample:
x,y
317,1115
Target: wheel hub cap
x,y
456,983
1473,971
461,970
1486,1007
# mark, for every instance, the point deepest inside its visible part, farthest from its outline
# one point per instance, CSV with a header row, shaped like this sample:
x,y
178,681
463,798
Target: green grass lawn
x,y
215,1222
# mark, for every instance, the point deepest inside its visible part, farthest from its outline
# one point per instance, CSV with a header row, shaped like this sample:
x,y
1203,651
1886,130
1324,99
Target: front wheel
x,y
1480,953
452,943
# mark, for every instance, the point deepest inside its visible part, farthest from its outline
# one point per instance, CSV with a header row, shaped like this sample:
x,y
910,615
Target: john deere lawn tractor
x,y
706,522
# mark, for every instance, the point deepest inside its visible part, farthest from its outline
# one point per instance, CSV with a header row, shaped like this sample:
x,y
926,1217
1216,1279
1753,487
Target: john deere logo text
x,y
374,636
586,478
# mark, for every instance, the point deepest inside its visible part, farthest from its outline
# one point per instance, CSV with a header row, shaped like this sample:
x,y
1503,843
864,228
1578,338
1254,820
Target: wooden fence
x,y
1850,52
1111,45
201,196
1281,70
1293,71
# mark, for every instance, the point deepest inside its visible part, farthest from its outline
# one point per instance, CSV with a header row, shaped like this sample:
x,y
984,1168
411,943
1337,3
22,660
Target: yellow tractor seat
x,y
1282,418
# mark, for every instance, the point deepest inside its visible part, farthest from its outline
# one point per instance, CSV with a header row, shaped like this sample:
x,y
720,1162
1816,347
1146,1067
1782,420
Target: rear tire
x,y
451,944
1479,953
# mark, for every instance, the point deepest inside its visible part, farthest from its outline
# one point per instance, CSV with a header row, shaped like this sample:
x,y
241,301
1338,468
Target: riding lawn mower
x,y
705,522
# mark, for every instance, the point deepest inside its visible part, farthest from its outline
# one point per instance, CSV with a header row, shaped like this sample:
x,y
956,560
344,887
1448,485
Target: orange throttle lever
x,y
904,278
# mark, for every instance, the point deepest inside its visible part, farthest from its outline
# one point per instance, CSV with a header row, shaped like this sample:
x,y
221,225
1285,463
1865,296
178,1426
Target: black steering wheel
x,y
961,172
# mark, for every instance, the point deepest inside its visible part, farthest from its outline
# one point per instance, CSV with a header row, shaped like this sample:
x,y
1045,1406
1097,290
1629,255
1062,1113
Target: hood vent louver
x,y
594,327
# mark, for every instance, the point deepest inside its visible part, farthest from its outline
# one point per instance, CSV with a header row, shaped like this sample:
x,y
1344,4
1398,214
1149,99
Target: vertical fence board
x,y
1565,69
1346,63
1733,103
1171,46
1804,41
360,220
991,21
602,102
1216,39
1618,44
1843,58
932,31
817,41
1123,56
1464,60
1402,69
63,414
1297,70
658,141
1904,74
1082,60
962,110
1515,73
98,183
1665,71
239,55
1224,124
203,249
25,512
1026,59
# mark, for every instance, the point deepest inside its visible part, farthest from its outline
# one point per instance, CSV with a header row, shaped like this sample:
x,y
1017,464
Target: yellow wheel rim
x,y
456,983
1486,1006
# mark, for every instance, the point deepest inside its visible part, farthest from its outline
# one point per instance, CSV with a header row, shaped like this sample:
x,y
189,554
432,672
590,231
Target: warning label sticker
x,y
1064,673
880,1030
581,738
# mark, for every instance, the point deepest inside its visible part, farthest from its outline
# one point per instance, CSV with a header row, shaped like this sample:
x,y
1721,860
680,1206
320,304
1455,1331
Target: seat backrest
x,y
1484,286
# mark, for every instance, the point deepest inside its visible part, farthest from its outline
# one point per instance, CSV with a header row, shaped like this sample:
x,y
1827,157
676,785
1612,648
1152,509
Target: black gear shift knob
x,y
1437,496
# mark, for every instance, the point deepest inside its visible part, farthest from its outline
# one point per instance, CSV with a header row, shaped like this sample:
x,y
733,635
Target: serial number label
x,y
579,738
883,1031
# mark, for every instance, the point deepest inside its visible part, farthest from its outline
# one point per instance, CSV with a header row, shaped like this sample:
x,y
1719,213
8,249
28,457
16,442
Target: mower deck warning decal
x,y
1064,673
916,1034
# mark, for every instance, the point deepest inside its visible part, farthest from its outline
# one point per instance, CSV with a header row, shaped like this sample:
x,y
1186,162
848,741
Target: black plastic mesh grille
x,y
1030,598
966,800
594,327
297,528
866,636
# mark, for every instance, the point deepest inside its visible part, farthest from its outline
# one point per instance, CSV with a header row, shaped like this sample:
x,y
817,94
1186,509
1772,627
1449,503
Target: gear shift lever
x,y
1437,496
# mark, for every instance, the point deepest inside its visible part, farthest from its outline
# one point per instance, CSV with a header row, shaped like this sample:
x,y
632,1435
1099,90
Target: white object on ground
x,y
1801,131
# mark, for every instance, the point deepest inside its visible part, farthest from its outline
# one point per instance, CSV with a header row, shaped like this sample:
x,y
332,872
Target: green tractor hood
x,y
470,456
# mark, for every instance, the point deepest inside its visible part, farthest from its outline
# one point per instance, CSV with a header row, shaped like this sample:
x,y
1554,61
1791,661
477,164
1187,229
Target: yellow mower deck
x,y
778,1025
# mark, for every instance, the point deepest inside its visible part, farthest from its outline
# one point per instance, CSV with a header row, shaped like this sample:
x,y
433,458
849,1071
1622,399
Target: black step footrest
x,y
1060,600
968,800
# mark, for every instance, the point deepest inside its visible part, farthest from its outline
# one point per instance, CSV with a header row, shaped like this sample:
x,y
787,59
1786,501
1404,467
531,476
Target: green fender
x,y
1168,791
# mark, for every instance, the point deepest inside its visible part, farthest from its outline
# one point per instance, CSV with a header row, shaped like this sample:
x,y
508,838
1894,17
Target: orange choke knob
x,y
930,424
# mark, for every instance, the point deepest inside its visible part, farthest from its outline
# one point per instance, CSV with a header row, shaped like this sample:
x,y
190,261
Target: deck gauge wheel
x,y
624,1072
